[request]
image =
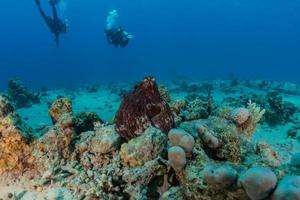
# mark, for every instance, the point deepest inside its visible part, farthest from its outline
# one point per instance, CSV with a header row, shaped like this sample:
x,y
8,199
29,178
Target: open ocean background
x,y
196,39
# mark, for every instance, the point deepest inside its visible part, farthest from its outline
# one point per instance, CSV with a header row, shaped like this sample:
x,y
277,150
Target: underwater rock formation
x,y
277,110
268,156
6,107
15,149
220,140
85,121
20,94
142,108
288,188
102,141
164,93
179,137
56,144
144,148
173,193
194,110
219,176
79,157
258,182
59,107
177,158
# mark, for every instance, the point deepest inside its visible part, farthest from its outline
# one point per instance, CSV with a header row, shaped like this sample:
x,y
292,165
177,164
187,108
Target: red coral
x,y
142,108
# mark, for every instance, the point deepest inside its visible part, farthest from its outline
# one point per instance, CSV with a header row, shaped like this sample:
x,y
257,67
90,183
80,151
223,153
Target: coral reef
x,y
278,111
247,119
144,148
85,121
194,110
142,156
59,107
288,188
219,176
258,182
177,158
179,137
20,94
220,140
268,156
164,93
15,138
141,109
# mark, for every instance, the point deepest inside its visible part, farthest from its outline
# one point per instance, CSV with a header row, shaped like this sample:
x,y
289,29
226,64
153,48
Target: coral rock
x,y
258,182
288,189
268,155
141,109
20,95
144,148
221,176
200,128
85,121
179,137
223,135
240,115
210,140
60,107
5,107
106,140
177,158
14,140
173,193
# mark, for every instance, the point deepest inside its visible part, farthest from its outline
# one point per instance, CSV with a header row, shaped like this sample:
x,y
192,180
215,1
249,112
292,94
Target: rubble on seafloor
x,y
158,148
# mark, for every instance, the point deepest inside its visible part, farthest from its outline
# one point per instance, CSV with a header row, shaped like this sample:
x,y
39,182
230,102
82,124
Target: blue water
x,y
190,38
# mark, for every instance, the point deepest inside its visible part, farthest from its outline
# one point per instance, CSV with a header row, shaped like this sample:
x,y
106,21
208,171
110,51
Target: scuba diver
x,y
116,36
56,25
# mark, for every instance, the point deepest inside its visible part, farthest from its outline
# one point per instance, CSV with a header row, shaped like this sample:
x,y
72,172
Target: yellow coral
x,y
15,153
60,107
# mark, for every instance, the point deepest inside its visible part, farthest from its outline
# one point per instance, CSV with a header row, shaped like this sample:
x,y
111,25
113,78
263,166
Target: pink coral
x,y
240,115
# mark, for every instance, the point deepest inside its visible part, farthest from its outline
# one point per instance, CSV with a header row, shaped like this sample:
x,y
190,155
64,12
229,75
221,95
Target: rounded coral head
x,y
177,158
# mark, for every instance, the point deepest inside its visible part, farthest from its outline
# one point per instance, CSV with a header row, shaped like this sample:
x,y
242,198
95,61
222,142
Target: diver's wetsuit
x,y
55,25
117,37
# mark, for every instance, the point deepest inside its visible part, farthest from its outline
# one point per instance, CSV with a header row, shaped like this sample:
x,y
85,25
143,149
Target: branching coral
x,y
248,127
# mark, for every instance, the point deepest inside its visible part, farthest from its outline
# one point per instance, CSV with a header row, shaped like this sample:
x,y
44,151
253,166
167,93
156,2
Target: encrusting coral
x,y
15,149
60,107
144,148
220,140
